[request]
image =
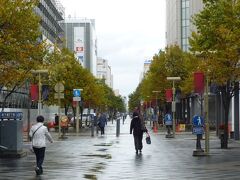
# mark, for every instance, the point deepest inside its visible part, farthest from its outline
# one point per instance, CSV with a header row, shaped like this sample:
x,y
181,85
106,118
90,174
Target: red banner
x,y
198,82
34,92
74,104
169,95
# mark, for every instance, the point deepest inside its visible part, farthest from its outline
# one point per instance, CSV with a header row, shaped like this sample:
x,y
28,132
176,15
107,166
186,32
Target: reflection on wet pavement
x,y
112,158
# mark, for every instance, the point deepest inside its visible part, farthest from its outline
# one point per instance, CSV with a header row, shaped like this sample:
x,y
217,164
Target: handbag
x,y
148,139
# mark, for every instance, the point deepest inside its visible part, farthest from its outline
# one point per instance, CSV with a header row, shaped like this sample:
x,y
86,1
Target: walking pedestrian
x,y
138,128
56,122
102,121
38,134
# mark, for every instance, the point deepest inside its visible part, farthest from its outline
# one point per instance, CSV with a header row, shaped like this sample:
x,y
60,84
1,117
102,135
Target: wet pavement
x,y
111,158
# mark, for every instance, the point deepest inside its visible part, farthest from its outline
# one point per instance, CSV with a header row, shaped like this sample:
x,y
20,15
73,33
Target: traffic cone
x,y
177,128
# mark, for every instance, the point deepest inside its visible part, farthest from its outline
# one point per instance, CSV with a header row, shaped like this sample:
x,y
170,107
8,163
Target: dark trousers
x,y
138,142
102,130
40,153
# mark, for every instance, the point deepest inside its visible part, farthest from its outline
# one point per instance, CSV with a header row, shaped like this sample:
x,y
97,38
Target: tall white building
x,y
104,71
146,67
179,25
81,38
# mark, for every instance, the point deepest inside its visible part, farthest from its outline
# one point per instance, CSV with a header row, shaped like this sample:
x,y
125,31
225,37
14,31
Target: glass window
x,y
187,13
183,4
184,41
183,13
187,3
184,32
184,22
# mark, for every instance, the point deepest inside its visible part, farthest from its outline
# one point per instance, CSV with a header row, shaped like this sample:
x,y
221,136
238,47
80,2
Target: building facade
x,y
104,71
81,39
146,66
179,25
51,13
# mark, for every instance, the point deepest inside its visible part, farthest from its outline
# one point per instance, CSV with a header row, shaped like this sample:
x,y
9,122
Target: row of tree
x,y
22,50
214,50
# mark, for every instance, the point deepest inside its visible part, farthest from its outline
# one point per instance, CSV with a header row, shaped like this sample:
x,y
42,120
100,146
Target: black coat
x,y
136,126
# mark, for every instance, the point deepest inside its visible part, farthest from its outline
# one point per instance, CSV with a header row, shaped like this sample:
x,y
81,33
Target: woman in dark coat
x,y
138,128
102,121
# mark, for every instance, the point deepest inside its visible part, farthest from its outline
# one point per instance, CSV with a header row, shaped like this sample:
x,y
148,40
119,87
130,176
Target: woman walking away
x,y
138,128
102,121
38,133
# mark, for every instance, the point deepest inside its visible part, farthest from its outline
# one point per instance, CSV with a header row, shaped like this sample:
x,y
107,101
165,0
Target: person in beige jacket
x,y
38,134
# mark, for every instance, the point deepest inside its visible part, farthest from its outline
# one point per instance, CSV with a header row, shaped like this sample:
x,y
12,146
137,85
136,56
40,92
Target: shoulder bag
x,y
31,148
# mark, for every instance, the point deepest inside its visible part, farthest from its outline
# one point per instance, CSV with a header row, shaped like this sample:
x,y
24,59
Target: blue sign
x,y
168,119
11,115
198,130
76,93
197,121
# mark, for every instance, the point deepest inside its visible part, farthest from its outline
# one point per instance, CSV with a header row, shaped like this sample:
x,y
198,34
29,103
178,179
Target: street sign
x,y
76,98
76,92
198,130
197,121
61,95
59,87
198,124
168,119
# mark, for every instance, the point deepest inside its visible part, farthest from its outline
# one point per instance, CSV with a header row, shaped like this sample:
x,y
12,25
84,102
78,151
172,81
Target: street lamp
x,y
206,119
39,72
173,79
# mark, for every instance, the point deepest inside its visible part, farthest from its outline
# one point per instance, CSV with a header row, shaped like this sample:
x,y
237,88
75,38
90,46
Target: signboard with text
x,y
198,125
76,94
11,115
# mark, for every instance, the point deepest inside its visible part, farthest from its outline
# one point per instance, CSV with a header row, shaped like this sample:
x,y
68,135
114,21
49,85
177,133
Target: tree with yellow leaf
x,y
217,41
20,49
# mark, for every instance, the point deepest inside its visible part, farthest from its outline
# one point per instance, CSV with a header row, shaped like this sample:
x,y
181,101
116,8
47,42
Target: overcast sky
x,y
128,32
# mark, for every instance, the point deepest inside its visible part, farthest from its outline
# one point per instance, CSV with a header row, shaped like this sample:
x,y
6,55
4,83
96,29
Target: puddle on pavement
x,y
106,156
103,144
102,149
98,167
90,176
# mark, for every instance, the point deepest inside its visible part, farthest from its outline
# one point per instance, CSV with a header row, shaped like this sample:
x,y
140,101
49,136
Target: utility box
x,y
11,136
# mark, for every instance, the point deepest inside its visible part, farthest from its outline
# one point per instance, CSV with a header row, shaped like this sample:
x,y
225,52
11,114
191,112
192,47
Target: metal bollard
x,y
222,140
118,127
92,127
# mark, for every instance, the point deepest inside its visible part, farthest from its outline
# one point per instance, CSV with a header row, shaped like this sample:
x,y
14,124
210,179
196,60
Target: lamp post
x,y
156,106
206,118
39,72
148,109
173,79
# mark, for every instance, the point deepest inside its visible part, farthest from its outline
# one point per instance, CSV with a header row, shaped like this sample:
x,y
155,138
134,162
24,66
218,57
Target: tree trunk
x,y
225,137
226,96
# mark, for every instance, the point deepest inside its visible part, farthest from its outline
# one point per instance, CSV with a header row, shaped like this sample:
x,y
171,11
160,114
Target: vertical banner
x,y
74,104
169,95
79,44
45,92
198,82
34,92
